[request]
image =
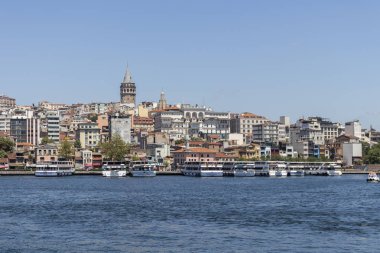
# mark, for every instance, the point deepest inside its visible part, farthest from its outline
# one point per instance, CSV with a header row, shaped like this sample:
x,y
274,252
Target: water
x,y
184,214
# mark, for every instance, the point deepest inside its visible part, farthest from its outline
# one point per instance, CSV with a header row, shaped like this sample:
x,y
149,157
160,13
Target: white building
x,y
244,124
353,129
352,152
5,122
53,129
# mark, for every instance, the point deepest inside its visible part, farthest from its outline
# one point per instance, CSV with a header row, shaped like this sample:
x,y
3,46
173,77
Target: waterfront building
x,y
244,123
267,132
306,131
121,125
251,151
128,89
46,153
352,153
7,103
158,151
193,155
53,127
88,134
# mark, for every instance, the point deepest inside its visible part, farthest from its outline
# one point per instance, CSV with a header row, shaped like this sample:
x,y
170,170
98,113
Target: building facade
x,y
121,125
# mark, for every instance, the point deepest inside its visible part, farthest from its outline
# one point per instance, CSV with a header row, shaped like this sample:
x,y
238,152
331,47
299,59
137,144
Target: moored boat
x,y
114,169
143,169
297,173
244,170
373,177
333,169
202,169
54,169
278,171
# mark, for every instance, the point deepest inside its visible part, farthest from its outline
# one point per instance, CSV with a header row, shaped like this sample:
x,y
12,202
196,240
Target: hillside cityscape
x,y
171,134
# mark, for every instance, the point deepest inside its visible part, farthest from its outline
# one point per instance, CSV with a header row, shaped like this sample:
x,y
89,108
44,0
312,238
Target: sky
x,y
286,57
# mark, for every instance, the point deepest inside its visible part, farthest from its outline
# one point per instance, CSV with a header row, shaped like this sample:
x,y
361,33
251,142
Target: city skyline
x,y
251,57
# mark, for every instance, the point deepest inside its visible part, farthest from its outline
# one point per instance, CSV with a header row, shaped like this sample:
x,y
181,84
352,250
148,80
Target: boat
x,y
373,177
244,170
278,171
202,169
54,169
333,169
114,169
297,173
143,169
296,170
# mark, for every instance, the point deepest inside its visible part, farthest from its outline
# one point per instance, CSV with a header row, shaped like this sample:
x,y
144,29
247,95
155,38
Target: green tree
x,y
372,155
45,140
93,117
77,144
6,146
115,149
66,150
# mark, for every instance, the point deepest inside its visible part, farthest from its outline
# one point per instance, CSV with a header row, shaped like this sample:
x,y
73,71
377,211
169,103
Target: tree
x,y
66,150
45,140
372,155
115,149
93,117
6,146
77,144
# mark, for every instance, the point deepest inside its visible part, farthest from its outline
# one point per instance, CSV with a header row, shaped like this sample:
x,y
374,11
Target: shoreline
x,y
159,173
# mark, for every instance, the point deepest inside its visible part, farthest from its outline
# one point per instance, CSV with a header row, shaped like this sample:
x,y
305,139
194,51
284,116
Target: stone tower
x,y
128,89
162,104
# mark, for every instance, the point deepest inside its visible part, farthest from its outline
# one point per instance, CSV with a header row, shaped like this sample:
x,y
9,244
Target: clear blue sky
x,y
296,58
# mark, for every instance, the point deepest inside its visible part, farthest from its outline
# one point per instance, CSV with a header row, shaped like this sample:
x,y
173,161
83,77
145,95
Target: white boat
x,y
244,170
373,177
142,169
202,169
114,169
54,169
278,171
333,169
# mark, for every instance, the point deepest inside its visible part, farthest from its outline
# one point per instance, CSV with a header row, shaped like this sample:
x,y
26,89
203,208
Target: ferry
x,y
296,170
202,169
114,169
244,170
333,169
54,169
278,171
373,177
143,169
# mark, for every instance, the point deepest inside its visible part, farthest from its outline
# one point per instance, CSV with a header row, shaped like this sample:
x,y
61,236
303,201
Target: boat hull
x,y
278,173
53,173
244,173
297,173
211,173
143,173
114,173
334,173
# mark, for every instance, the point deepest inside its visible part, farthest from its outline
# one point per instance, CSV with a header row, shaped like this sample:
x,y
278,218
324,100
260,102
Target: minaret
x,y
128,89
162,104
